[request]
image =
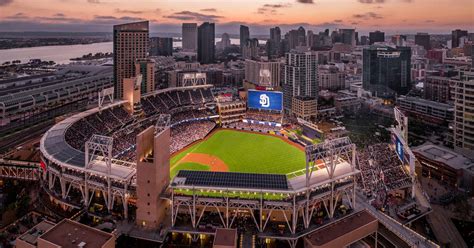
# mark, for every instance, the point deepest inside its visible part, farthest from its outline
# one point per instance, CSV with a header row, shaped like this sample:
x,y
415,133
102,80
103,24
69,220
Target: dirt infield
x,y
214,163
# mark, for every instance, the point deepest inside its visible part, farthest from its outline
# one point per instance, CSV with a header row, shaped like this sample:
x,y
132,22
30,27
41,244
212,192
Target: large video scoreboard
x,y
265,100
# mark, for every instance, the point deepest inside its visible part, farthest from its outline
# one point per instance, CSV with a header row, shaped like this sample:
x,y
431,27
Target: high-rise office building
x,y
464,113
300,76
274,47
456,35
161,46
146,68
263,73
275,34
376,36
225,40
423,39
438,88
301,37
130,44
331,78
296,38
189,36
364,40
310,39
347,36
244,36
291,39
206,43
224,43
386,70
250,50
399,40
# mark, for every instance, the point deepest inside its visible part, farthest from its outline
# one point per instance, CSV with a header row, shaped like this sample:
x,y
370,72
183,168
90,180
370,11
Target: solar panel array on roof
x,y
234,180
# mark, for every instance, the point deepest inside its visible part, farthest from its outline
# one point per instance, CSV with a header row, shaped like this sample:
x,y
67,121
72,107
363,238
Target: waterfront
x,y
63,54
58,54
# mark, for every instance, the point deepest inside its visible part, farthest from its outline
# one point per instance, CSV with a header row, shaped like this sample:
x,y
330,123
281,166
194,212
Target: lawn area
x,y
245,152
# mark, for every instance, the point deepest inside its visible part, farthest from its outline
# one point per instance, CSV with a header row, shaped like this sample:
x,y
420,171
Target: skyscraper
x,y
364,40
301,37
206,43
423,39
263,73
250,50
300,76
310,39
244,36
224,43
464,113
189,35
292,39
399,40
296,38
275,34
161,46
130,44
386,70
146,68
456,35
274,44
376,36
348,36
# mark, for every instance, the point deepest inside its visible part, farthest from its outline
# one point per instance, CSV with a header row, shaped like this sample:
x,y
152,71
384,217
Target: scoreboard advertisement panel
x,y
265,100
399,149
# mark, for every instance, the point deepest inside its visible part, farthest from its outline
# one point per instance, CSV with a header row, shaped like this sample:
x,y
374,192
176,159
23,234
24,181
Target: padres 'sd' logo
x,y
264,101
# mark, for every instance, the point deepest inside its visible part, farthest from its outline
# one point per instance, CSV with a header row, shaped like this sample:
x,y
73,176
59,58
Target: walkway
x,y
411,237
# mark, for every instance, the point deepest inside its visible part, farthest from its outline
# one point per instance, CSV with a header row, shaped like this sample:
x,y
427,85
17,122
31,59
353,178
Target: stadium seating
x,y
117,122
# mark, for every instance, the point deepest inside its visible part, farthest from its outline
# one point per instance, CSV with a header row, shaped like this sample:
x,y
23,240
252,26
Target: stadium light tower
x,y
162,122
193,79
106,93
98,149
332,154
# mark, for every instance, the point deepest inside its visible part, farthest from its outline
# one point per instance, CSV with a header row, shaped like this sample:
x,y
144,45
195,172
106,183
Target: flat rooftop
x,y
344,226
32,235
69,234
421,101
444,155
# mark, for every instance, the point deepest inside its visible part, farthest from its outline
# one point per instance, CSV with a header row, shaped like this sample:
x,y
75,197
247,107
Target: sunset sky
x,y
391,16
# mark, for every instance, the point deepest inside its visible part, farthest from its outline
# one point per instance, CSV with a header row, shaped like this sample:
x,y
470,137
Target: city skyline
x,y
391,16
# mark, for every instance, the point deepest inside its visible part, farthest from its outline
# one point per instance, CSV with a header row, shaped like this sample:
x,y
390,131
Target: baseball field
x,y
237,151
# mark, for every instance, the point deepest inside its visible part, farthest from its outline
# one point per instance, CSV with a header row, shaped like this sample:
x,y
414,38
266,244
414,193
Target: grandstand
x,y
64,146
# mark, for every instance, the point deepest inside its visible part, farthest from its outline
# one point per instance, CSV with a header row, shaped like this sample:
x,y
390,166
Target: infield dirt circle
x,y
214,163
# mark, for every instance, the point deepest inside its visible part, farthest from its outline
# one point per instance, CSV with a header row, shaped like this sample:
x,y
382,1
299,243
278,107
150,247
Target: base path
x,y
214,163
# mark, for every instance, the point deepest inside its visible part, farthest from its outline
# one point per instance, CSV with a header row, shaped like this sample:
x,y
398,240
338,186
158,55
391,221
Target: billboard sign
x,y
265,100
399,148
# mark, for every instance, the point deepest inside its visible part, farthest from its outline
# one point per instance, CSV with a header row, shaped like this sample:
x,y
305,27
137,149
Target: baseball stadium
x,y
185,162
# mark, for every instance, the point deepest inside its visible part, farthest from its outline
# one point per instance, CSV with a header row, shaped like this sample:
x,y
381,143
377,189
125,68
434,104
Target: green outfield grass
x,y
245,152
